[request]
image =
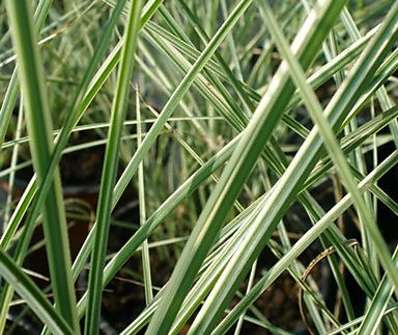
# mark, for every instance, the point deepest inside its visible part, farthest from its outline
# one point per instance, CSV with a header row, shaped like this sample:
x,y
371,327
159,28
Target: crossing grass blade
x,y
336,154
168,109
237,171
10,95
189,186
40,127
234,147
273,207
264,282
109,169
32,294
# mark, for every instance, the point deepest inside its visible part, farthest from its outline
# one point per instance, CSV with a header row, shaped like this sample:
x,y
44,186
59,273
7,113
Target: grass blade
x,y
315,110
141,195
32,294
39,127
237,171
287,186
302,244
109,171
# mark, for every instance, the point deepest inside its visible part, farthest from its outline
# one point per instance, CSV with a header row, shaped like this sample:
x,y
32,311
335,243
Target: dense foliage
x,y
199,167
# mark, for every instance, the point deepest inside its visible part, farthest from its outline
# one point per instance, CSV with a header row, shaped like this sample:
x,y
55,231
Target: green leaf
x,y
24,286
109,169
282,193
39,126
237,170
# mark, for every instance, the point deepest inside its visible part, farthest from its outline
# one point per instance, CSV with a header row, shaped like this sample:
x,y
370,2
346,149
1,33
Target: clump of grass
x,y
229,118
